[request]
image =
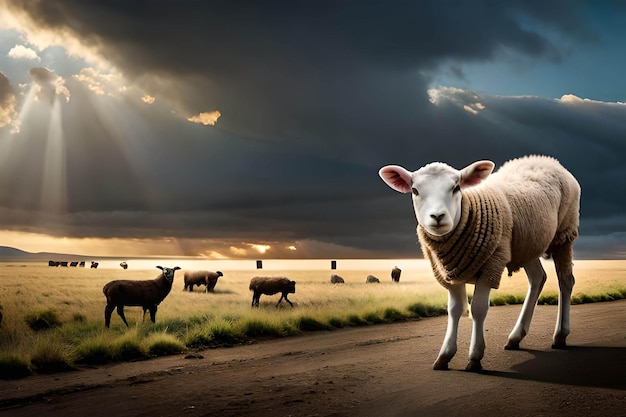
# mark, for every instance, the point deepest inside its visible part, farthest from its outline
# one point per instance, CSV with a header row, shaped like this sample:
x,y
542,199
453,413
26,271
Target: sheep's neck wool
x,y
459,256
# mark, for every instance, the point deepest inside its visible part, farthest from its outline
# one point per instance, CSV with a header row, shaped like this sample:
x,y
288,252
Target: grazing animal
x,y
63,263
146,294
395,274
81,264
74,263
371,279
124,265
94,265
54,263
271,286
472,225
336,279
207,278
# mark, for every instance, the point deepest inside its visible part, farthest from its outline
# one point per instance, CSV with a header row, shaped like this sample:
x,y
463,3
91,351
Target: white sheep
x,y
471,232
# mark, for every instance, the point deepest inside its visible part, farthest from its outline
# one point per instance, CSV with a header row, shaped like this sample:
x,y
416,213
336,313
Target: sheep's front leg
x,y
457,298
480,306
108,310
256,298
536,279
286,299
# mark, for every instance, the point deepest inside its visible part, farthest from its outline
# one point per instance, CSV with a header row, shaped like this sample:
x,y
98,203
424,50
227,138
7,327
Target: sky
x,y
245,129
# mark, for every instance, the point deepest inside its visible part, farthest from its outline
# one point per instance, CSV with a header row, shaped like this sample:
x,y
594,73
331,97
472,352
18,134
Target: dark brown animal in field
x,y
198,278
336,279
395,274
271,286
94,265
371,279
146,294
124,265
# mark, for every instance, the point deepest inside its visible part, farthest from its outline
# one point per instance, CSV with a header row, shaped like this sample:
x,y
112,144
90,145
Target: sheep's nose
x,y
437,217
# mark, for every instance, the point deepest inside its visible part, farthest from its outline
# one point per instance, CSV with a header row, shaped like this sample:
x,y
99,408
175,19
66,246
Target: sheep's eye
x,y
414,190
456,189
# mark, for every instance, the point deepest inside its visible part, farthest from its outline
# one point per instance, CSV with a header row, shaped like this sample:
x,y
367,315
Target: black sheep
x,y
146,294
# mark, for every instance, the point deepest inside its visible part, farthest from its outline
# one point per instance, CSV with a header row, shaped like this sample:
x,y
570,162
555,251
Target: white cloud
x,y
571,99
148,99
99,82
22,52
467,100
206,118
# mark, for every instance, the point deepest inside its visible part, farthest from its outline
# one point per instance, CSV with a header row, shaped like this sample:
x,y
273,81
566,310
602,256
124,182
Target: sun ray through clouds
x,y
53,182
129,136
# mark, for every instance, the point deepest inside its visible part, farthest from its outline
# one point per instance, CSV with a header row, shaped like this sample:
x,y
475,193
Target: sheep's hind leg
x,y
563,263
457,298
536,279
120,312
480,307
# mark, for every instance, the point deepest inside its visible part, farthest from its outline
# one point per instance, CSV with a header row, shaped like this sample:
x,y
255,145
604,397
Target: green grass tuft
x,y
356,320
128,347
373,318
42,320
392,314
95,350
254,327
50,354
163,344
550,298
14,367
337,322
198,338
311,324
427,310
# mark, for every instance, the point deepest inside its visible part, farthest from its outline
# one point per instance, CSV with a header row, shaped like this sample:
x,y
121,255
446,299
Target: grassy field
x,y
53,317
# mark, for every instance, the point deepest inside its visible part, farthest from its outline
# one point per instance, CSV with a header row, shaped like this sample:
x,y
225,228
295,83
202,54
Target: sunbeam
x,y
53,181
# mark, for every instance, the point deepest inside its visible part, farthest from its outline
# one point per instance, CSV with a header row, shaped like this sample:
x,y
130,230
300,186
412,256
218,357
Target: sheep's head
x,y
436,190
219,273
168,273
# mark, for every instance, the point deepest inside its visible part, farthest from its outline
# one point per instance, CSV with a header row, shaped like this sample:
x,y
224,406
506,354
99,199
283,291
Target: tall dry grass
x,y
73,296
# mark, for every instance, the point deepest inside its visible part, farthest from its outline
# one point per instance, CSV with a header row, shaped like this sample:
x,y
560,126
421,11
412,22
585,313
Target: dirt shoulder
x,y
382,370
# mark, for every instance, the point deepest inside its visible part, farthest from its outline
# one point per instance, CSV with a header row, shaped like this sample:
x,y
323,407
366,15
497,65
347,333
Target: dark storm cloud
x,y
314,98
273,68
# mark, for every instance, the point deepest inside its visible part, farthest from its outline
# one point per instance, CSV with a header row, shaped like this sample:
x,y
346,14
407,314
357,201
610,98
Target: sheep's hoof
x,y
441,364
560,345
474,366
511,345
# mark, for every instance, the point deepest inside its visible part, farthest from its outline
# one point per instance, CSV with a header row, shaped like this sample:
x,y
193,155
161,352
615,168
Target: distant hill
x,y
8,254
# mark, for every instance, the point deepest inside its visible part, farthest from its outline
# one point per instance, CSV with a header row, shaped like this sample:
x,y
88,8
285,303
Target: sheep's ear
x,y
160,267
396,177
475,173
176,268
